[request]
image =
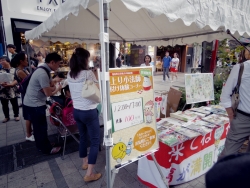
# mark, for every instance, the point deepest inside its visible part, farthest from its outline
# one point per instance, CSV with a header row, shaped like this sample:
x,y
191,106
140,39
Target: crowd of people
x,y
41,86
168,64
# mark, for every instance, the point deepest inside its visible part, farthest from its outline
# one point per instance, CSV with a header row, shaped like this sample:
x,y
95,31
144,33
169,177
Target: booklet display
x,y
183,116
216,119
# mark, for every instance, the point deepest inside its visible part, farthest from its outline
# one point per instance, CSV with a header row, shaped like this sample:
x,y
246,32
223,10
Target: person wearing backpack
x,y
8,91
39,87
20,62
239,130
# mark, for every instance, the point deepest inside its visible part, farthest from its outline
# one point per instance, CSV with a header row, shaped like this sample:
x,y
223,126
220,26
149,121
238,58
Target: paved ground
x,y
67,173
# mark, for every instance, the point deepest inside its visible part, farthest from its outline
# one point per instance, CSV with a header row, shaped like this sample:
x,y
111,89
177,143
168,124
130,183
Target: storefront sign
x,y
34,7
49,2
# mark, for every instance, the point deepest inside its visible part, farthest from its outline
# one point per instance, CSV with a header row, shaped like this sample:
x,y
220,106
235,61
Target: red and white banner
x,y
184,162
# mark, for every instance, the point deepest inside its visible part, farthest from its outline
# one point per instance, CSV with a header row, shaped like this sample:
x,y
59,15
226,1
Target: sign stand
x,y
104,41
159,170
114,172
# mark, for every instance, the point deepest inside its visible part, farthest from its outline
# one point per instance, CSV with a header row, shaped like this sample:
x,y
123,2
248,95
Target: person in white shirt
x,y
85,112
240,122
147,60
174,66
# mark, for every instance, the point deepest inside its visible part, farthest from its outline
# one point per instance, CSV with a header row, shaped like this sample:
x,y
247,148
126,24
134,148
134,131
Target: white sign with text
x,y
127,113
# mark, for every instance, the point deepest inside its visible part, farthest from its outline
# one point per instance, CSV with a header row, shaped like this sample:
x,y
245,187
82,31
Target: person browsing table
x,y
40,87
85,112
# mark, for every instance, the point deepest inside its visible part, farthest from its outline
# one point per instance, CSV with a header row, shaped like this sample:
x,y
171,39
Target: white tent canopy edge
x,y
143,22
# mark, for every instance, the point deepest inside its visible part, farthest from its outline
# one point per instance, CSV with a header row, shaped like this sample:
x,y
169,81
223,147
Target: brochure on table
x,y
199,87
133,118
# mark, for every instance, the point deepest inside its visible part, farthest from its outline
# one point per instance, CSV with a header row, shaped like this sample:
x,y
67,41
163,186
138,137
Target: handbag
x,y
90,91
235,96
67,113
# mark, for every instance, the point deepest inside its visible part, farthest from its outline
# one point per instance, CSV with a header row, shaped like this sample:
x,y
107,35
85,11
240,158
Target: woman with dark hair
x,y
174,66
85,111
147,60
20,62
8,91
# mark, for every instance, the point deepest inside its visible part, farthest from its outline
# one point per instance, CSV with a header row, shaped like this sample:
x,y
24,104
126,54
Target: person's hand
x,y
32,66
230,113
57,79
60,87
52,84
5,84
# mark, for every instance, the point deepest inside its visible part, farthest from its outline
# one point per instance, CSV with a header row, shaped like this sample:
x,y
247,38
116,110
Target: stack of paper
x,y
172,139
184,116
216,119
184,131
201,110
198,127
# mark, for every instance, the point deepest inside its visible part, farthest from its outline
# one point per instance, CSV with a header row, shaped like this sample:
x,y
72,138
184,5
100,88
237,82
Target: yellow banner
x,y
130,80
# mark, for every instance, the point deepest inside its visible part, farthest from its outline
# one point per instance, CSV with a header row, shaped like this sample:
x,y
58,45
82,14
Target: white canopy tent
x,y
145,22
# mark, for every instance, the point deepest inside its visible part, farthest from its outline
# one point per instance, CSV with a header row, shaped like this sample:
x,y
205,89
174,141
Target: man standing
x,y
239,130
12,49
40,87
119,60
166,65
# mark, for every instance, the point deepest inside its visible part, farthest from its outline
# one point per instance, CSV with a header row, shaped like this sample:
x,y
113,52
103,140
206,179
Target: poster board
x,y
173,100
199,87
133,116
160,102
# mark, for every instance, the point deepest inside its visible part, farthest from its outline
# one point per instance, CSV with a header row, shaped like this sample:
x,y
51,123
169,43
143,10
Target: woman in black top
x,y
20,62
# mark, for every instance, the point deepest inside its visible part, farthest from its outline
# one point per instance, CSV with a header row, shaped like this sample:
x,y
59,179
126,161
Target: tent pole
x,y
104,41
28,55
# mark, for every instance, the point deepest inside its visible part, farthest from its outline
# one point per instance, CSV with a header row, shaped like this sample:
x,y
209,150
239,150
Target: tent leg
x,y
104,41
159,170
113,176
28,55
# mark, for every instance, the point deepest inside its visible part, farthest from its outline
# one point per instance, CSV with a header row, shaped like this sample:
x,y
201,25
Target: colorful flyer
x,y
133,115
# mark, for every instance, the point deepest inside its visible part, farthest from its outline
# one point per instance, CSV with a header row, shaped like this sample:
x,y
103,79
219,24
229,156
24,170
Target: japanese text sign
x,y
123,81
127,113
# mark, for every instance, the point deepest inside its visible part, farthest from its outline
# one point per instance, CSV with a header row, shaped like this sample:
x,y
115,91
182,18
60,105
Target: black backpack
x,y
23,85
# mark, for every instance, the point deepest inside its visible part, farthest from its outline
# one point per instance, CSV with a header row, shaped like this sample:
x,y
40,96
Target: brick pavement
x,y
67,173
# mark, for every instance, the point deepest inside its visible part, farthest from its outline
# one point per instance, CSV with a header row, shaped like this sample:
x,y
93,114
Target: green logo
x,y
146,72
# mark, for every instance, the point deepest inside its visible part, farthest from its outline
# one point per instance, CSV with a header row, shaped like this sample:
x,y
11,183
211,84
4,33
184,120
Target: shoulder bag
x,y
90,91
235,96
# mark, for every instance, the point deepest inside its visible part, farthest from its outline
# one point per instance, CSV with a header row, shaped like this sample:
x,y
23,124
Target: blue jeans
x,y
165,72
88,124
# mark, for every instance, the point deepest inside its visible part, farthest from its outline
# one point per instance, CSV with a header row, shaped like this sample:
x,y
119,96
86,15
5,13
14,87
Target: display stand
x,y
159,170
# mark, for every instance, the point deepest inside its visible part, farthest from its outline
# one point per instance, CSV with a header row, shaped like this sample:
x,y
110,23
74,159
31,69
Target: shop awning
x,y
22,26
145,22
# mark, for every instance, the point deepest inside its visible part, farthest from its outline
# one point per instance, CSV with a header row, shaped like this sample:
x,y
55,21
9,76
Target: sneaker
x,y
163,80
92,177
31,138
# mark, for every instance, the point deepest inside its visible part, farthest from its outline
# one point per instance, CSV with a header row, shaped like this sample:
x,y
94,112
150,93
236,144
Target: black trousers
x,y
5,107
40,127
